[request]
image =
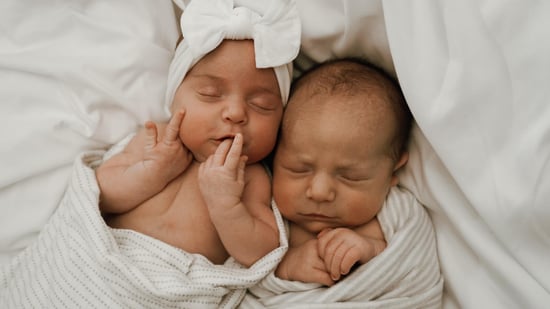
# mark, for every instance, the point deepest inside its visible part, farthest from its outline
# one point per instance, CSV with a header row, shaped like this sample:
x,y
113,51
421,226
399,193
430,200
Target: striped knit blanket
x,y
405,275
80,262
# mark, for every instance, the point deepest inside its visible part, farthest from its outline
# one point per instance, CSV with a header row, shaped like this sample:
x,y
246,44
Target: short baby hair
x,y
356,76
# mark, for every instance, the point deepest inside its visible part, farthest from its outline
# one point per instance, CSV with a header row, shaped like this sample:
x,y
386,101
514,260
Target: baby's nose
x,y
321,188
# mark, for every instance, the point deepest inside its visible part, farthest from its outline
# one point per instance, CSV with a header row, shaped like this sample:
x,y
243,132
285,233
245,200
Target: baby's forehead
x,y
360,115
360,104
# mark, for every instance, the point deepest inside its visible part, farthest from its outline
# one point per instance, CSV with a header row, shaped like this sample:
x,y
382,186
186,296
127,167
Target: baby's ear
x,y
399,164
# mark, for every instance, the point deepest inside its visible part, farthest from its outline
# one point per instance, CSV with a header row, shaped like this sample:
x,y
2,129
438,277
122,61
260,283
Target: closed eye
x,y
353,177
209,93
206,96
265,102
263,106
348,179
208,90
297,170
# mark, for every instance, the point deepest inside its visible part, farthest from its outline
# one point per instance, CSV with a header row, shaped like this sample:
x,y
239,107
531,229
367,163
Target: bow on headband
x,y
273,25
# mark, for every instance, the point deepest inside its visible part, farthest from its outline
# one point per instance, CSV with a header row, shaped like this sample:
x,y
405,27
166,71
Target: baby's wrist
x,y
281,272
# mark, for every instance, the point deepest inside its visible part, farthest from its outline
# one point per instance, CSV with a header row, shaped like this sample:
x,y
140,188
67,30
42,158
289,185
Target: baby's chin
x,y
317,227
253,158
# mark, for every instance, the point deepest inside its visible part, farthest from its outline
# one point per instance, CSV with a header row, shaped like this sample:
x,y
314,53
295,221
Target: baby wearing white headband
x,y
274,27
196,182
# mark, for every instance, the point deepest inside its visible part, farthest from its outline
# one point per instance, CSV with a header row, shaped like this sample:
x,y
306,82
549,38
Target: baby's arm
x,y
341,248
147,164
239,206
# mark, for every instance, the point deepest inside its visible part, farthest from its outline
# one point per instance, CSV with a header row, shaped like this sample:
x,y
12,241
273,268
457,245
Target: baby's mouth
x,y
318,217
227,137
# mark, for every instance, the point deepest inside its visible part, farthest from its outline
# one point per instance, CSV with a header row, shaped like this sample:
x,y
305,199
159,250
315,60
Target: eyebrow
x,y
356,166
208,76
276,93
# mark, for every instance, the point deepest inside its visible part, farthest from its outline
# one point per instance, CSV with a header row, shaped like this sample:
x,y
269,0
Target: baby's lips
x,y
229,136
225,138
234,137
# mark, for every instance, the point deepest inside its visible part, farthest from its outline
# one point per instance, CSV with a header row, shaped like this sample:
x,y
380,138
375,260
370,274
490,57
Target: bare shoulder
x,y
255,172
257,178
257,194
257,186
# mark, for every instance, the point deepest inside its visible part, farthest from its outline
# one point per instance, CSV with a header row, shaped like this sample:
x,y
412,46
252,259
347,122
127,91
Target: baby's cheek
x,y
258,150
284,193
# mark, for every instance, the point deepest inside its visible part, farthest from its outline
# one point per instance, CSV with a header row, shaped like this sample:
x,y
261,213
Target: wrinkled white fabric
x,y
78,261
273,25
405,275
476,74
74,76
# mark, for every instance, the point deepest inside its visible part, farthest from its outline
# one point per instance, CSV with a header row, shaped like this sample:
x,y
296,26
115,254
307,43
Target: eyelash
x,y
302,171
215,97
295,170
205,94
261,107
351,179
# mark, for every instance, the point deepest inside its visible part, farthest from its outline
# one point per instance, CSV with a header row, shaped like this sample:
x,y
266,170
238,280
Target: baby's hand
x,y
168,155
221,176
304,264
341,248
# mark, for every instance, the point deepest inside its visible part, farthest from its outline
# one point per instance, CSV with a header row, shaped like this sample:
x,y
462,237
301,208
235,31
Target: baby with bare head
x,y
342,140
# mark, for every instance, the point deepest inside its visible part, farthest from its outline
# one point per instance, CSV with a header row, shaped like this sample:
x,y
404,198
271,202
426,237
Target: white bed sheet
x,y
74,76
79,75
476,76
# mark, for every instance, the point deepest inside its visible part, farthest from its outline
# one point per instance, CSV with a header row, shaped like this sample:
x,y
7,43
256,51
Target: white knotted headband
x,y
274,25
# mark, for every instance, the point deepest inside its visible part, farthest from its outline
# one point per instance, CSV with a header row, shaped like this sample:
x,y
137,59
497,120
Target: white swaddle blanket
x,y
78,261
405,275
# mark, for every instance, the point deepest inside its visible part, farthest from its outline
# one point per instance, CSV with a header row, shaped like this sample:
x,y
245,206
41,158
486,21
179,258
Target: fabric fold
x,y
405,275
77,254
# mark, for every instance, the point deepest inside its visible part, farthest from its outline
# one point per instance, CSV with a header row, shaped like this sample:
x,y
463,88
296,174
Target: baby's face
x,y
330,170
225,94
